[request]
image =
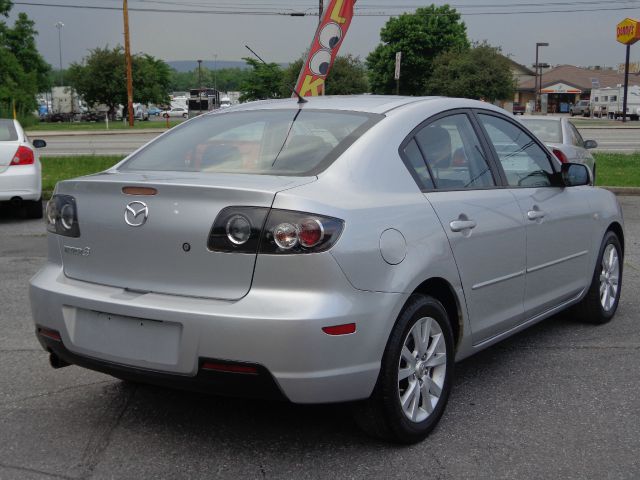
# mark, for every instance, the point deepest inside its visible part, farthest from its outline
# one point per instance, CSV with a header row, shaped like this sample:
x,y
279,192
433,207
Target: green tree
x,y
348,76
23,72
5,7
481,72
101,78
420,36
21,41
263,81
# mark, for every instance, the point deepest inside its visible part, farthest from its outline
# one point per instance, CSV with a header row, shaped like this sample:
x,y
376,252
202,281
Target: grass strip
x,y
617,169
56,169
98,126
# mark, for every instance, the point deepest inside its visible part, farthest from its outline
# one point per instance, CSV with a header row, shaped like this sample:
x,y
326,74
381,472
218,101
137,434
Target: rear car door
x,y
559,220
484,224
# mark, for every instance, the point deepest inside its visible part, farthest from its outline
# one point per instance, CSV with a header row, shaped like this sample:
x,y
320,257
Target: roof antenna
x,y
301,99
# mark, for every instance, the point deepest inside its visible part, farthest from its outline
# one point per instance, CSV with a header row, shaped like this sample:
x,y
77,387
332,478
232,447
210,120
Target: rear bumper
x,y
21,181
260,384
278,329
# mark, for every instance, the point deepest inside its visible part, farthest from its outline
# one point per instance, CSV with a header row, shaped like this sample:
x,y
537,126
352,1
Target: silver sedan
x,y
345,249
563,138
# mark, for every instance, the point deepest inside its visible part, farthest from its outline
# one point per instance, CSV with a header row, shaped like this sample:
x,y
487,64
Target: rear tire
x,y
601,302
415,376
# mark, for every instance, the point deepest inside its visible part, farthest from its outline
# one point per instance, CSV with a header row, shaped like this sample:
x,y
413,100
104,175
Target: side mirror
x,y
575,174
39,143
590,144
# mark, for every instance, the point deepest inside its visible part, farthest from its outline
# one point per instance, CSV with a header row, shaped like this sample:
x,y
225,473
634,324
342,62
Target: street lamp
x,y
60,26
539,76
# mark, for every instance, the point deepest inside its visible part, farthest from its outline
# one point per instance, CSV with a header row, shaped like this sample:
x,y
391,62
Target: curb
x,y
602,127
623,190
55,133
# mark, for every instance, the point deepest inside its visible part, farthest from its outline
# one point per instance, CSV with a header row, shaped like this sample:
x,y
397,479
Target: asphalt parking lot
x,y
561,400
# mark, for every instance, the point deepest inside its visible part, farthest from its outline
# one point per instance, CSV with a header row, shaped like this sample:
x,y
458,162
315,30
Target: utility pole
x,y
60,26
199,87
127,60
320,10
215,80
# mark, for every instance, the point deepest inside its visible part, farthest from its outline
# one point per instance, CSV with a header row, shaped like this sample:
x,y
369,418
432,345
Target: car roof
x,y
379,104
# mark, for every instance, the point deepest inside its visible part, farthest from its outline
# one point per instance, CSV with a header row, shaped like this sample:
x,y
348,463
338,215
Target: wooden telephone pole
x,y
127,60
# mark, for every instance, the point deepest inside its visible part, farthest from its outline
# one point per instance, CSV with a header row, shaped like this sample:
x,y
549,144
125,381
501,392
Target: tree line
x,y
437,59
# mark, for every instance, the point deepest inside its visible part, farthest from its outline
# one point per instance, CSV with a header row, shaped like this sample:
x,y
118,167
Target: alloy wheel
x,y
609,278
421,369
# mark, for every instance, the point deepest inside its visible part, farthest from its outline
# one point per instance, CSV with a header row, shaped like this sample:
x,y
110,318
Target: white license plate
x,y
127,338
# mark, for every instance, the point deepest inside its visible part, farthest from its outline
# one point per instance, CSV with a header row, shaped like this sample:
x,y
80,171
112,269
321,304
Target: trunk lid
x,y
151,257
7,152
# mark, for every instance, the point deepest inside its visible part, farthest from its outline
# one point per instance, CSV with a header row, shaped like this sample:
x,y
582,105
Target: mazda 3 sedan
x,y
346,249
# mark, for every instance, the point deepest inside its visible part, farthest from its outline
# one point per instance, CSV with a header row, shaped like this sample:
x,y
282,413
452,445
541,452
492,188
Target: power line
x,y
357,13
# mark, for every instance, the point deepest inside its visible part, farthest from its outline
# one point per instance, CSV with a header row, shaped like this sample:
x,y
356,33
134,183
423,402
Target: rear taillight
x,y
62,216
24,156
561,156
299,232
249,230
237,229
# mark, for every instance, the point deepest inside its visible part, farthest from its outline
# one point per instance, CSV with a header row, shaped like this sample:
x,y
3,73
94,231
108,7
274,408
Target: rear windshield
x,y
546,130
270,142
7,131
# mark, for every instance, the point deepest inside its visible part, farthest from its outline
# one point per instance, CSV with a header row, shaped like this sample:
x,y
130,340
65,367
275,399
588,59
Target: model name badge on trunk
x,y
82,252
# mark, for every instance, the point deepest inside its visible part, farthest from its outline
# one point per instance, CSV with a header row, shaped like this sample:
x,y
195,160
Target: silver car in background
x,y
345,249
563,138
20,169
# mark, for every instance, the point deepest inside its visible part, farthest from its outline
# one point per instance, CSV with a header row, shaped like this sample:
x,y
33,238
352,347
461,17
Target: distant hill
x,y
189,65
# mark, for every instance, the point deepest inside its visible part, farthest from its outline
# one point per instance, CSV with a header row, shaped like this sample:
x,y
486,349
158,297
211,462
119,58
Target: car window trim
x,y
412,136
537,141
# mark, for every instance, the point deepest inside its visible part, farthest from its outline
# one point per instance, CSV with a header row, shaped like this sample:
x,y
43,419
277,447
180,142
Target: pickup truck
x,y
519,109
580,108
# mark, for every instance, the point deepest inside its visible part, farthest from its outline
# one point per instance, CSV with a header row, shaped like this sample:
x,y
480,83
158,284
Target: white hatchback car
x,y
20,170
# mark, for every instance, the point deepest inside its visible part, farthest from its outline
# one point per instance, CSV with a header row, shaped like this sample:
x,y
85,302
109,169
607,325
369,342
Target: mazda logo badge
x,y
136,214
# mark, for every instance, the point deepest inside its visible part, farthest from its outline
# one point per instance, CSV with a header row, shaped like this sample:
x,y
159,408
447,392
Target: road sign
x,y
398,60
628,31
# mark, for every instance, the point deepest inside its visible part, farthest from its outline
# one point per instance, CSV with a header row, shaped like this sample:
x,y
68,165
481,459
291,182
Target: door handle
x,y
460,225
534,215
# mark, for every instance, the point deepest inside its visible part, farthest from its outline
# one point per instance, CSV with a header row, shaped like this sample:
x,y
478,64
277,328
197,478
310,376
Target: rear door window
x,y
453,154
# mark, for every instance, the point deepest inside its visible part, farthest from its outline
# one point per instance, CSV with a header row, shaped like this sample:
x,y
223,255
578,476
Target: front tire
x,y
601,302
415,375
